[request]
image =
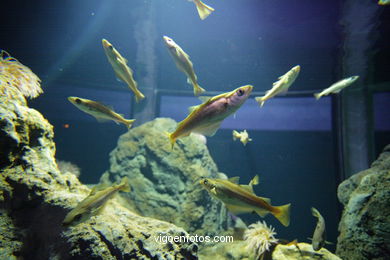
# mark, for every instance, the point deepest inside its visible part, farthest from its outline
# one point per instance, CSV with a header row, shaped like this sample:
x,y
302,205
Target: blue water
x,y
243,42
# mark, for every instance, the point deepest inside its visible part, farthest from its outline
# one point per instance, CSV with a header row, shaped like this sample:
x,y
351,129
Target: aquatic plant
x,y
65,166
15,74
260,238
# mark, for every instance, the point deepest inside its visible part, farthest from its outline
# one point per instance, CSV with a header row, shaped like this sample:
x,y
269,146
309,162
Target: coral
x,y
15,74
65,167
260,238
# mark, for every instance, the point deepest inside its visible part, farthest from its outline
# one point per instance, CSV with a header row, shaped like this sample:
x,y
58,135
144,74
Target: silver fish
x,y
336,87
319,236
183,63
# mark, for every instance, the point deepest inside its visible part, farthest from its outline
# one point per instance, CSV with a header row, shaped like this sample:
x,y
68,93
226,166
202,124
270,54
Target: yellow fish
x,y
240,199
243,136
95,200
384,2
122,71
99,111
203,9
280,86
206,118
183,63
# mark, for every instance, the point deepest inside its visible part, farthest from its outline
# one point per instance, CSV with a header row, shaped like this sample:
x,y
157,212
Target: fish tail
x,y
203,9
317,95
129,123
235,133
261,101
198,89
172,139
315,212
139,96
282,213
124,185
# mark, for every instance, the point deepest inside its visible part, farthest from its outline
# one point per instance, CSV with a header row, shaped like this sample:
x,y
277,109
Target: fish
x,y
336,87
319,235
242,199
95,200
280,86
203,10
206,118
184,64
121,69
99,111
384,2
243,136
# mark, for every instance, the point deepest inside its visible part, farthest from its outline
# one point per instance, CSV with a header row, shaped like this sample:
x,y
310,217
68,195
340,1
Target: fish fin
x,y
129,122
328,243
261,212
235,180
203,9
317,95
282,213
254,181
198,89
213,191
192,108
260,100
248,188
98,187
237,209
309,238
172,140
283,92
337,91
101,120
268,200
124,185
204,99
209,130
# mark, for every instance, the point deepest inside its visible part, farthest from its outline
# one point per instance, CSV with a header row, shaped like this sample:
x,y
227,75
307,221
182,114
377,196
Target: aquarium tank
x,y
124,125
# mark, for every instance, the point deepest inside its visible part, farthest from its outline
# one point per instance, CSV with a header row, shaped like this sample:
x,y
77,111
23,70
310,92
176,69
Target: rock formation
x,y
238,251
365,223
165,182
35,197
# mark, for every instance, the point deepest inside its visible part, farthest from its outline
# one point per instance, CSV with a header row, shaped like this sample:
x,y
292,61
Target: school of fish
x,y
203,120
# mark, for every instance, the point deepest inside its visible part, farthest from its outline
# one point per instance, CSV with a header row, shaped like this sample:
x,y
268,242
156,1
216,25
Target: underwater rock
x,y
302,251
365,223
233,251
165,182
35,197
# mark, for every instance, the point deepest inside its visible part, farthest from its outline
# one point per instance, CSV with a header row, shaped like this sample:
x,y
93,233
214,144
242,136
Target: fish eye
x,y
110,47
78,101
240,92
205,181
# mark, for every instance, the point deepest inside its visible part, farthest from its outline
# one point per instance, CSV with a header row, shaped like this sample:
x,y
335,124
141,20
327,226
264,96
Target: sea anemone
x,y
260,238
15,74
